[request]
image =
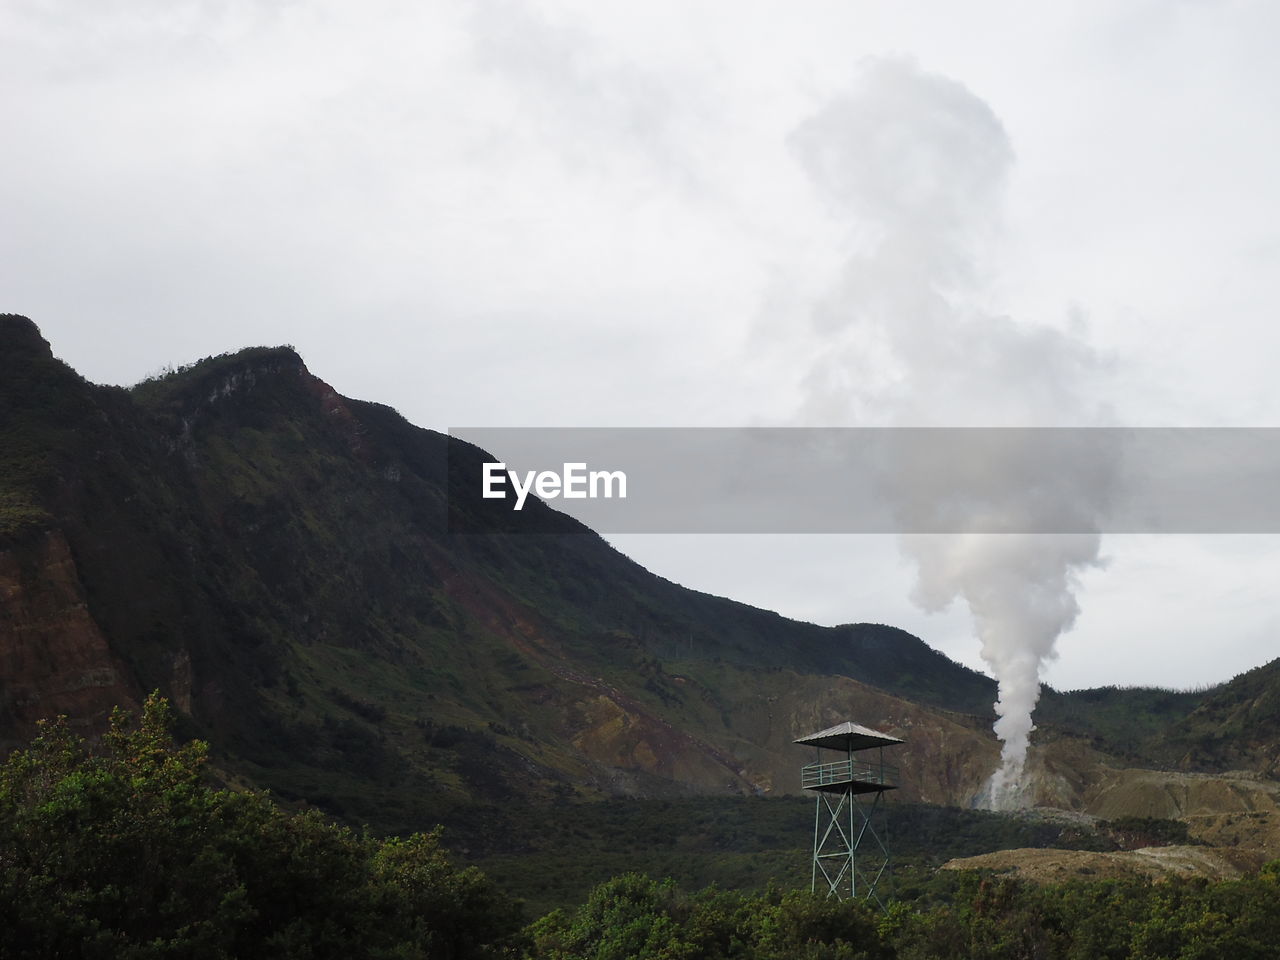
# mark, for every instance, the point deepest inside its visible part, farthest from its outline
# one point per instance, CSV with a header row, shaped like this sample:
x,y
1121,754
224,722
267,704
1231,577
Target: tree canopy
x,y
126,851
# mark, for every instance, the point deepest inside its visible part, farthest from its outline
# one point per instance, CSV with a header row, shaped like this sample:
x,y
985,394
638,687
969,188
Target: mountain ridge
x,y
278,560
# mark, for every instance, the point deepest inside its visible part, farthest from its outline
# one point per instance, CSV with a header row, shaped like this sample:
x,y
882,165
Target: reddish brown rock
x,y
53,657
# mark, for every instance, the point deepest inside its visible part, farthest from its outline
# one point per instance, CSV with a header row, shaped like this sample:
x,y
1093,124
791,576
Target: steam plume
x,y
915,166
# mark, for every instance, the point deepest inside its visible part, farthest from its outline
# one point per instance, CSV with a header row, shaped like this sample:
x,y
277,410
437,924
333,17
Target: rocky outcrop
x,y
20,339
53,656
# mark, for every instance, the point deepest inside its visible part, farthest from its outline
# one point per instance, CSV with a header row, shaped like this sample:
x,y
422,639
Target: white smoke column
x,y
915,166
1020,592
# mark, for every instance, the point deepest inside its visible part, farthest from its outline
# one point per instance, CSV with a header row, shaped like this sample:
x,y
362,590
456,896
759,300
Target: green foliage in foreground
x,y
979,917
129,854
635,917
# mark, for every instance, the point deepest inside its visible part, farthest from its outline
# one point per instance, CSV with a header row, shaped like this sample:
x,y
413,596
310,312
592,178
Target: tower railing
x,y
815,775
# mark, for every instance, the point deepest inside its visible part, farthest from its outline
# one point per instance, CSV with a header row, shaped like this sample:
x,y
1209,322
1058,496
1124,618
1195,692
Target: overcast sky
x,y
506,213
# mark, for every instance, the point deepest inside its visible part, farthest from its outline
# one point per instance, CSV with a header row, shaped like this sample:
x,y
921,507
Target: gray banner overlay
x,y
880,480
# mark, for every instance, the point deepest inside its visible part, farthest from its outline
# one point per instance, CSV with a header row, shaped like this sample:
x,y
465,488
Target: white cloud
x,y
578,212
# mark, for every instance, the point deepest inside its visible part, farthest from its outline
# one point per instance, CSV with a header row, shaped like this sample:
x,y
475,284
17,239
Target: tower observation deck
x,y
850,825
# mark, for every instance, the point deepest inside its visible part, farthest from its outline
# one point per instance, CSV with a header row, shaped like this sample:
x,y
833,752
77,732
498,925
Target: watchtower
x,y
850,820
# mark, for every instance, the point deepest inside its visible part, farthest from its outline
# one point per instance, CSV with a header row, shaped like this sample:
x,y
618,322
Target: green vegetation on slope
x,y
127,853
285,563
1236,724
1130,723
292,583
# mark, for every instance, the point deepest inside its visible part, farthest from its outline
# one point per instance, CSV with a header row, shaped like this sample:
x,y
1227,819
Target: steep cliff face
x,y
53,657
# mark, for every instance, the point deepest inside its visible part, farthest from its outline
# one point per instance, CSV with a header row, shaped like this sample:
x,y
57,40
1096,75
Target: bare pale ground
x,y
1233,819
